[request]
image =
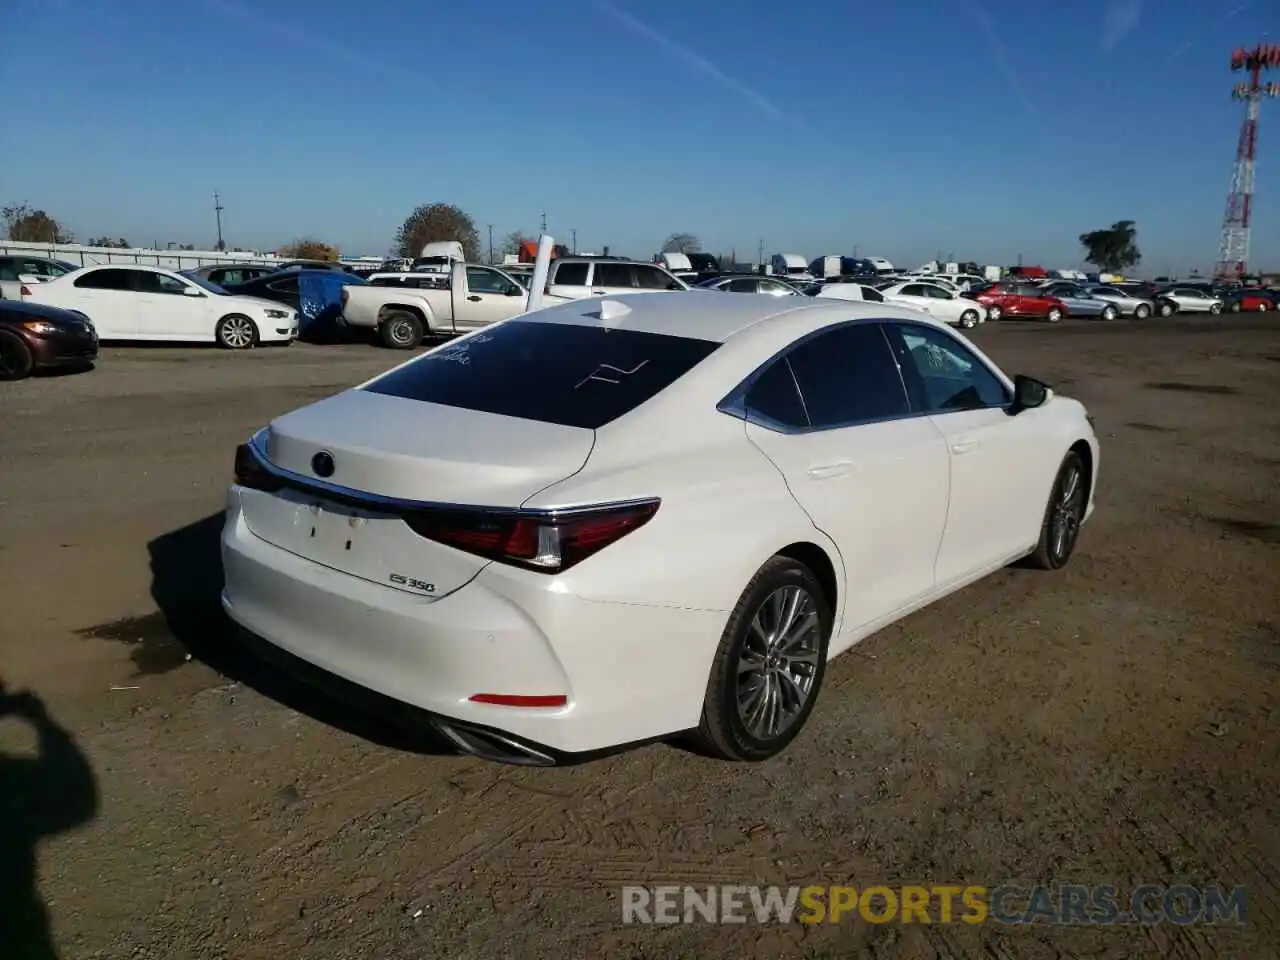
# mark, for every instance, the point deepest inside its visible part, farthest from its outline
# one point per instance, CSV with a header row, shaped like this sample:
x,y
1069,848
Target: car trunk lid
x,y
356,464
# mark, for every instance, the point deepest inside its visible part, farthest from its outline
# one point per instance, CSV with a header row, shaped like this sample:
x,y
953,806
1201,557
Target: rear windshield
x,y
576,376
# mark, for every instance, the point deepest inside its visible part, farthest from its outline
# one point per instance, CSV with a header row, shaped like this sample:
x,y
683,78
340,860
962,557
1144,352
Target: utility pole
x,y
855,251
544,221
573,239
760,256
491,260
217,212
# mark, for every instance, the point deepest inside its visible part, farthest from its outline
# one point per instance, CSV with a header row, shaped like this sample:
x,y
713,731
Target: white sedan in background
x,y
844,291
703,501
1191,300
939,302
149,303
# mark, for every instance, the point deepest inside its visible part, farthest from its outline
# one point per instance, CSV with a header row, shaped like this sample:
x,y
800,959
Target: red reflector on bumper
x,y
515,700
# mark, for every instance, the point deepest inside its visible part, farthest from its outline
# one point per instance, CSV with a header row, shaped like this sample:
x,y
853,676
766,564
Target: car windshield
x,y
587,376
204,284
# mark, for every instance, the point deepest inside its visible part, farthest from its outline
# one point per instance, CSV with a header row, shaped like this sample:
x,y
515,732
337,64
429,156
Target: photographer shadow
x,y
40,797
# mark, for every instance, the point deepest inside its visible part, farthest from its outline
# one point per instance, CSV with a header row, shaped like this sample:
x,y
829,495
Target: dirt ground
x,y
165,796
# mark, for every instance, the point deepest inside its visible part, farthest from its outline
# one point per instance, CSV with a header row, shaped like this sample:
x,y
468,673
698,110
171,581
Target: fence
x,y
85,256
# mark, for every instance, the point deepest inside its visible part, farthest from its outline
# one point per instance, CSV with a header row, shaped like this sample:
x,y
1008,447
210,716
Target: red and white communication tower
x,y
1233,251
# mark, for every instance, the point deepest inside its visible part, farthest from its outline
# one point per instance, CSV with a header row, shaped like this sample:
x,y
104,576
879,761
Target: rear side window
x,y
612,275
571,274
575,376
774,397
651,278
848,375
106,280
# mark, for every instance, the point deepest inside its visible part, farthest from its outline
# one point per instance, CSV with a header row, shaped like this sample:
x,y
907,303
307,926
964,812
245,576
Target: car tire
x,y
1215,309
994,313
1063,516
1109,313
1166,309
729,728
1142,312
235,331
1054,315
16,362
400,330
1262,307
1236,306
969,319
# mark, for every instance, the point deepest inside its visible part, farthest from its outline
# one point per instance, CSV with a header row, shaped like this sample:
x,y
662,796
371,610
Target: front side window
x,y
942,375
872,295
651,278
481,280
743,285
148,282
848,376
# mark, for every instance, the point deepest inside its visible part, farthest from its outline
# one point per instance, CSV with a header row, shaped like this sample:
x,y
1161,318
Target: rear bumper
x,y
630,672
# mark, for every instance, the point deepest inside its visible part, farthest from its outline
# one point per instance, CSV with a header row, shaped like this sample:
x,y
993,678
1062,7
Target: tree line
x,y
1112,249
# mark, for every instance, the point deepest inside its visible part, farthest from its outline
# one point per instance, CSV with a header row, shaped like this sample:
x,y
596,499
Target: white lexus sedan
x,y
936,300
135,302
611,521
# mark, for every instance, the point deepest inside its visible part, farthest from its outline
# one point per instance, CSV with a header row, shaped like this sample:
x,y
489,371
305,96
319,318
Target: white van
x,y
790,266
674,262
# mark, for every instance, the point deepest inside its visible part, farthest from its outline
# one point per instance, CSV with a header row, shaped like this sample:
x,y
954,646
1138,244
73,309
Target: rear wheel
x,y
235,332
400,330
1262,306
1054,315
1062,516
16,362
1110,313
969,319
769,667
1166,309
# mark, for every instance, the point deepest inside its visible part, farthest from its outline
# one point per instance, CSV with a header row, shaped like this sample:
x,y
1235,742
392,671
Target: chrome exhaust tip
x,y
487,745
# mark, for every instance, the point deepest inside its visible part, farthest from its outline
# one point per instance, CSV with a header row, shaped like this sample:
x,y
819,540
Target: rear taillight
x,y
24,291
251,473
546,542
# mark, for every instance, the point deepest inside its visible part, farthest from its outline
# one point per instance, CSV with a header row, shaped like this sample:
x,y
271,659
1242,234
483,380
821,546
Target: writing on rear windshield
x,y
608,373
458,353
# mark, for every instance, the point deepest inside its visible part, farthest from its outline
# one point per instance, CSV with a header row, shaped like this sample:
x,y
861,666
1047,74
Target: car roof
x,y
707,316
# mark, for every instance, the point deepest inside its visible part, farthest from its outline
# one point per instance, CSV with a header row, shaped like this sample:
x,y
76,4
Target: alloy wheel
x,y
778,662
237,332
1068,510
402,332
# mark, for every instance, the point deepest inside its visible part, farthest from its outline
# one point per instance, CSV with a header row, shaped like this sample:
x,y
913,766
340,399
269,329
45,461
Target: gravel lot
x,y
1115,723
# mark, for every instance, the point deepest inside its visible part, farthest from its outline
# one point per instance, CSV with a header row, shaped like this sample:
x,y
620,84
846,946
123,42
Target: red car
x,y
1019,300
1260,300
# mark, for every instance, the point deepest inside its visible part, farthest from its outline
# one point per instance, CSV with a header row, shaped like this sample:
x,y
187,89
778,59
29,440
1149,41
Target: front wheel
x,y
1109,313
1142,312
1166,309
235,332
1054,315
1062,517
1215,309
401,330
969,319
1236,306
994,313
769,667
1262,307
16,362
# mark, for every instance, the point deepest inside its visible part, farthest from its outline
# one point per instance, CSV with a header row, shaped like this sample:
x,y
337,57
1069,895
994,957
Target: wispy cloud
x,y
1229,15
678,51
1000,56
300,37
1122,16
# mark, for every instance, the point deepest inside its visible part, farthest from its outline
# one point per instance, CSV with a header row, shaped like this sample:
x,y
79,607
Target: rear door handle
x,y
826,471
473,298
965,445
599,292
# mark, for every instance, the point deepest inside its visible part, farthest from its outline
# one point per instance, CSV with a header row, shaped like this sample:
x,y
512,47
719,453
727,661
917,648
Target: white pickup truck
x,y
406,307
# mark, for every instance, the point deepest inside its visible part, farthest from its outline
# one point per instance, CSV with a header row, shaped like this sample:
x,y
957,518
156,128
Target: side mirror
x,y
191,292
674,286
1028,393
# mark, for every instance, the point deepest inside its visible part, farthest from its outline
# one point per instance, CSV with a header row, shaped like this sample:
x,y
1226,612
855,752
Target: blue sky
x,y
987,128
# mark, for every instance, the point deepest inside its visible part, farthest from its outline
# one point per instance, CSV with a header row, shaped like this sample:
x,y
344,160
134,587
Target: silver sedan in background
x,y
1126,303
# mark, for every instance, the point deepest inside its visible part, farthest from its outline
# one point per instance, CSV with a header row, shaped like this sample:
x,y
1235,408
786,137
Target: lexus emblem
x,y
322,464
